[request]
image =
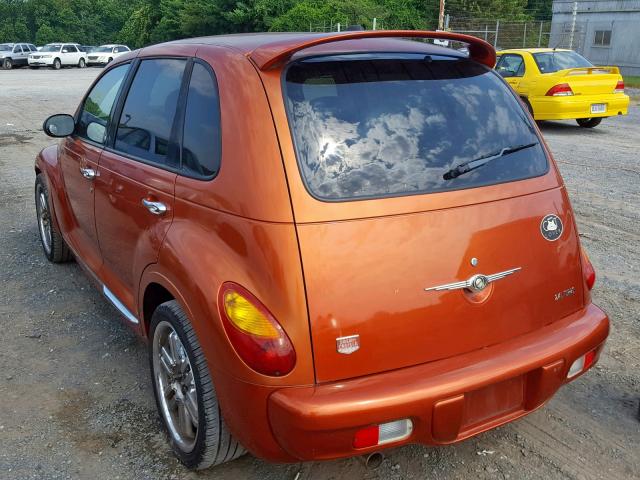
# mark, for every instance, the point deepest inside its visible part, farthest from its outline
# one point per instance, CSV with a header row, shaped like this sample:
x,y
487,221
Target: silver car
x,y
105,54
15,54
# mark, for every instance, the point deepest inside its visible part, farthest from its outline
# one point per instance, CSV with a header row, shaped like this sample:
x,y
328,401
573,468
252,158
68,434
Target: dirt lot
x,y
77,396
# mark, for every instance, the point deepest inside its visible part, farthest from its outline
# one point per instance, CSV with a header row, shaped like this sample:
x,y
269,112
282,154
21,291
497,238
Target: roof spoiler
x,y
276,53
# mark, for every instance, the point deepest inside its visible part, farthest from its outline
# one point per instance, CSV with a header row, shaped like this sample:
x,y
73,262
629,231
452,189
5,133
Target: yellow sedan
x,y
558,84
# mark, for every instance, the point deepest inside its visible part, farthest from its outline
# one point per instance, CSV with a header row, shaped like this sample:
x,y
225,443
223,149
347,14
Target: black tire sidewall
x,y
57,65
165,313
589,122
7,64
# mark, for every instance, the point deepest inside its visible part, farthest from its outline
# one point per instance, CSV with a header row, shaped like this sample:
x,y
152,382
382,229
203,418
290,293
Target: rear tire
x,y
589,122
57,65
55,248
185,395
81,63
7,64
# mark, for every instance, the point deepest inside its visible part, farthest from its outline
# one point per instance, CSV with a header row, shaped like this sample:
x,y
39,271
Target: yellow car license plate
x,y
598,108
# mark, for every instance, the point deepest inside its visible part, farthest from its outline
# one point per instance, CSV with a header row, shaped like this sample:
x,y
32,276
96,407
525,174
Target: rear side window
x,y
96,110
144,128
201,137
376,125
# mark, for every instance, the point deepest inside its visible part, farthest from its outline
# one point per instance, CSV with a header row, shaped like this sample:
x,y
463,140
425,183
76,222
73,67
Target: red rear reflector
x,y
560,90
588,271
619,87
589,358
384,433
582,364
367,437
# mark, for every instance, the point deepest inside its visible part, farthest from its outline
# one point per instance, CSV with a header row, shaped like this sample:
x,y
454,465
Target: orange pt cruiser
x,y
334,243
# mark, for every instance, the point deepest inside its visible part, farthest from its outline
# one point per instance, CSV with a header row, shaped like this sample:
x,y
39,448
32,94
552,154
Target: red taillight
x,y
560,90
588,272
255,334
619,87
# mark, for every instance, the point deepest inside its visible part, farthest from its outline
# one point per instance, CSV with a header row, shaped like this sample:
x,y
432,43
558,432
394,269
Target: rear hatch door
x,y
374,138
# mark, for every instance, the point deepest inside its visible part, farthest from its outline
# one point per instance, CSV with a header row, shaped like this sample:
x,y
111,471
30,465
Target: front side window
x,y
145,125
201,136
549,62
70,49
376,125
98,105
510,65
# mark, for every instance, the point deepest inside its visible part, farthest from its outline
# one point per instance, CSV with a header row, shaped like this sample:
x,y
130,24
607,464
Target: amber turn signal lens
x,y
247,317
254,333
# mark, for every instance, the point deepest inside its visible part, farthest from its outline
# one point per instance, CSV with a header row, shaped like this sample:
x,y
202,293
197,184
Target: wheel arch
x,y
155,289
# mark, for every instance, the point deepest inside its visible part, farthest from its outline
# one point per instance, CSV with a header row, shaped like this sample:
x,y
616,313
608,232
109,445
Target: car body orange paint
x,y
454,362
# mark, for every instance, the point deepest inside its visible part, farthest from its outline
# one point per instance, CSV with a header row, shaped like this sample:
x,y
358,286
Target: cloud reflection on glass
x,y
374,128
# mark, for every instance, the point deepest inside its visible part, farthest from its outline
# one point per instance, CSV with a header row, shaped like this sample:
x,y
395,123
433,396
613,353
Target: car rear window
x,y
549,62
375,125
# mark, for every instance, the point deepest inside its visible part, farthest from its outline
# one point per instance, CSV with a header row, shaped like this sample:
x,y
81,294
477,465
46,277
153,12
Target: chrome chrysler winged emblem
x,y
475,283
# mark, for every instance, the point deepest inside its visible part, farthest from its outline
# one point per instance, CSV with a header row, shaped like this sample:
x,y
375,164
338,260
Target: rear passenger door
x,y
21,55
135,189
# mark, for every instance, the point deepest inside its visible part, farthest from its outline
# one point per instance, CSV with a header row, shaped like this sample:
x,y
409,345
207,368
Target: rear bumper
x,y
578,106
447,401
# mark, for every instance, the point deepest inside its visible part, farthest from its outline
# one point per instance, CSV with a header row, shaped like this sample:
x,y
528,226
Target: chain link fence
x,y
504,34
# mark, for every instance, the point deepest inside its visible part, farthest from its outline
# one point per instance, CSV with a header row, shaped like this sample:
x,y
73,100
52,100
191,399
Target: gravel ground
x,y
75,383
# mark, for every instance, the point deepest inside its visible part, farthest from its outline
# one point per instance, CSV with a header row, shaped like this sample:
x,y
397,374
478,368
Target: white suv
x,y
106,53
58,55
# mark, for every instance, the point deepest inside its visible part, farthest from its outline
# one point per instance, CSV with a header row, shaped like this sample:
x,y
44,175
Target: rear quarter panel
x,y
237,227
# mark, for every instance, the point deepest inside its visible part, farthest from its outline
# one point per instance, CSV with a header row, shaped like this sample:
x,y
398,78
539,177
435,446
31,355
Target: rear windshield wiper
x,y
479,162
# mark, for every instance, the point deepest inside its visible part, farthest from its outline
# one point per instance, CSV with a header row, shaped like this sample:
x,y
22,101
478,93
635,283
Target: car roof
x,y
532,50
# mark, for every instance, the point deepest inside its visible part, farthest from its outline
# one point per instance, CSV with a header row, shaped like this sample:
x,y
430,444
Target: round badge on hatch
x,y
551,227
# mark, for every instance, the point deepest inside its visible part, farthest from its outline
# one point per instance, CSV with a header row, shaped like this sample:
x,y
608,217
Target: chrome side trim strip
x,y
118,304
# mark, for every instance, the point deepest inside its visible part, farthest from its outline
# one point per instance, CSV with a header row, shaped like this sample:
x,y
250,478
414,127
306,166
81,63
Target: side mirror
x,y
64,50
60,125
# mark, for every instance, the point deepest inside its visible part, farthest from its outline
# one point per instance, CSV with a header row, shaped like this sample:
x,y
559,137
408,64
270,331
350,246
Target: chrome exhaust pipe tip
x,y
374,460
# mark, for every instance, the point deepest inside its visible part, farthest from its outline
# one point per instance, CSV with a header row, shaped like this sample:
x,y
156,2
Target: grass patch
x,y
632,81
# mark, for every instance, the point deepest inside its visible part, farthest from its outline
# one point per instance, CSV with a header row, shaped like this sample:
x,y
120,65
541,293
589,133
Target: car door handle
x,y
88,173
157,208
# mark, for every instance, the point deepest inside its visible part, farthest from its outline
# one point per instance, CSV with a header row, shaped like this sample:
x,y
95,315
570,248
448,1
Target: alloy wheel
x,y
175,386
44,220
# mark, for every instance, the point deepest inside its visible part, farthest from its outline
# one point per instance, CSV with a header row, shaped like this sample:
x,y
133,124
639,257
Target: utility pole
x,y
574,14
441,16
